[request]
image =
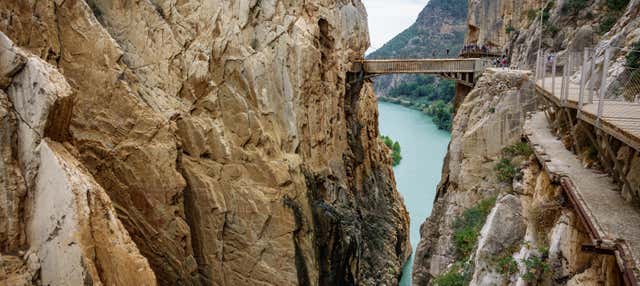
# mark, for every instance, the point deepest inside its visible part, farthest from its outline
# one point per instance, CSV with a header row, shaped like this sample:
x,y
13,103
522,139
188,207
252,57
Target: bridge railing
x,y
424,66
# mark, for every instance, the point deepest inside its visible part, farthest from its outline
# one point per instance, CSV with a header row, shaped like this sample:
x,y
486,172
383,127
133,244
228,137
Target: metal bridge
x,y
464,71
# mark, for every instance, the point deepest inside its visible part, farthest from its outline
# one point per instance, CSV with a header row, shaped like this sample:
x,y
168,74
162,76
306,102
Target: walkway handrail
x,y
586,88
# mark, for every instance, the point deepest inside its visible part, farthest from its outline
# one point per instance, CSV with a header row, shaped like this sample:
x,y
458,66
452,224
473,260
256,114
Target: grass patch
x,y
467,227
573,6
506,265
518,149
607,23
615,10
535,266
505,170
457,275
395,148
532,14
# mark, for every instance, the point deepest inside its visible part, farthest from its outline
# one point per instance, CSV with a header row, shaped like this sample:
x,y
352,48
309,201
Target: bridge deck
x,y
433,66
619,119
462,70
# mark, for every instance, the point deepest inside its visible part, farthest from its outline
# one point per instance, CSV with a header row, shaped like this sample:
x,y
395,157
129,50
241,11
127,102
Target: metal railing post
x,y
538,66
583,78
592,77
553,75
544,70
603,86
563,85
567,86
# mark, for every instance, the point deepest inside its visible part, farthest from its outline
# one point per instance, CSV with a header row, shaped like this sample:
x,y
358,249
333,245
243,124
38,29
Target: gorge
x,y
237,142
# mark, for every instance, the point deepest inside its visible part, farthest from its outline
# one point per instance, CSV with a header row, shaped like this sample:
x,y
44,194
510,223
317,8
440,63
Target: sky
x,y
387,18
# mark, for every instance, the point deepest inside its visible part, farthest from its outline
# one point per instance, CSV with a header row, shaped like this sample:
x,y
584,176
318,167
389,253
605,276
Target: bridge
x,y
463,71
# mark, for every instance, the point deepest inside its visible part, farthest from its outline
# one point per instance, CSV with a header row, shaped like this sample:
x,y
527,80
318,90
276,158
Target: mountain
x,y
440,26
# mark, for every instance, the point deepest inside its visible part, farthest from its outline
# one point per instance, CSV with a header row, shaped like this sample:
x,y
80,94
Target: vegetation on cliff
x,y
466,230
395,149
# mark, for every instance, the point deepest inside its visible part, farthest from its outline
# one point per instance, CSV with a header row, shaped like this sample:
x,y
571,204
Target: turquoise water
x,y
423,150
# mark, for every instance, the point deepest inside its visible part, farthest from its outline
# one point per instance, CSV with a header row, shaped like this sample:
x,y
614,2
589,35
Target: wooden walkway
x,y
619,119
613,223
463,71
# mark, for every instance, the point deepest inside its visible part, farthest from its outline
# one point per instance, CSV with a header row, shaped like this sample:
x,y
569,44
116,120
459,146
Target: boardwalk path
x,y
619,119
614,224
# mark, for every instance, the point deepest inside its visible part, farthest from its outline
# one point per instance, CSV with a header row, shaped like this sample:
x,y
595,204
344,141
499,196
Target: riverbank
x,y
440,112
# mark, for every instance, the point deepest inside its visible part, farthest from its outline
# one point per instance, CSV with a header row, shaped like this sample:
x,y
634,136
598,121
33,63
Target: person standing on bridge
x,y
448,52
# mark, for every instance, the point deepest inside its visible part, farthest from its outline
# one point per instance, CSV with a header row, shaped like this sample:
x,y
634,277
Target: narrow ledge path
x,y
613,223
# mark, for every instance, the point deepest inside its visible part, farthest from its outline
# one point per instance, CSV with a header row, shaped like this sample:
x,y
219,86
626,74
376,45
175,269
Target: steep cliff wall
x,y
491,117
499,218
227,135
568,26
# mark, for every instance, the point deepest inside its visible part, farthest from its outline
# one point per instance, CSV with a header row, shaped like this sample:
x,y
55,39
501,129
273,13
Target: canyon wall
x,y
491,116
568,26
499,217
198,142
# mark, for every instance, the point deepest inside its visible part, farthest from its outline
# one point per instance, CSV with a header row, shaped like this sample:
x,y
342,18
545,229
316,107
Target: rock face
x,y
532,234
214,143
492,116
569,26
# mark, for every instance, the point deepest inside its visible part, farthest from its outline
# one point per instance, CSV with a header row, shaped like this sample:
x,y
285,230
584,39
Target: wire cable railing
x,y
603,85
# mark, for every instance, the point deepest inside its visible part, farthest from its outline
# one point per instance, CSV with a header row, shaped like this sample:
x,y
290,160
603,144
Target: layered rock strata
x,y
227,136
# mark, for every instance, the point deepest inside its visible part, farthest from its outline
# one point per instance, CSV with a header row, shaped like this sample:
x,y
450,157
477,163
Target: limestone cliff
x,y
491,116
500,218
200,142
568,26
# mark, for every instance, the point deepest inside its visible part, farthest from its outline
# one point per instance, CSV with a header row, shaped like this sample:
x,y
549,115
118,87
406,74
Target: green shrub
x,y
573,6
552,29
395,148
532,14
633,58
616,8
505,170
457,275
466,228
617,5
507,265
535,266
510,29
441,114
518,149
607,24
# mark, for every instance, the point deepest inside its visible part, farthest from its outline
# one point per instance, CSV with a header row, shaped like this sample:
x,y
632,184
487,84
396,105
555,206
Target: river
x,y
423,150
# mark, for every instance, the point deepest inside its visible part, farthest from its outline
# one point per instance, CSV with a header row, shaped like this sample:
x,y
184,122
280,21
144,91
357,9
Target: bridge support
x,y
461,93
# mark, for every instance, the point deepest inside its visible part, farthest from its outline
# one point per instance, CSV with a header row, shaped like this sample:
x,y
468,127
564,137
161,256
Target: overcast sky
x,y
388,18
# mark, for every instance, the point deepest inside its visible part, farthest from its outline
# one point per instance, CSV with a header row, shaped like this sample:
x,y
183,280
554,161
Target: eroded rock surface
x,y
227,135
491,117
